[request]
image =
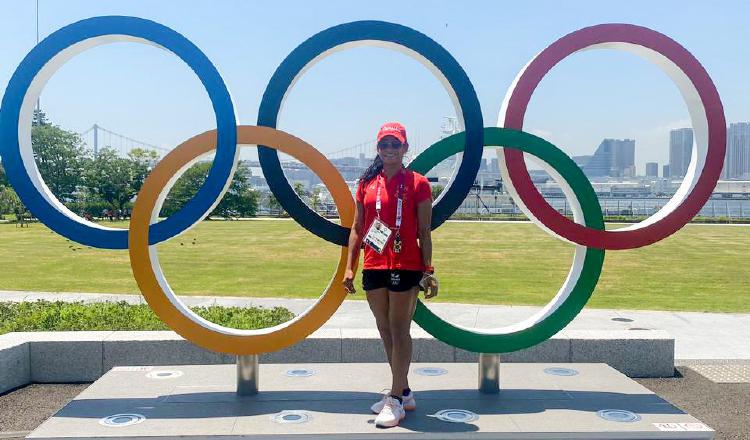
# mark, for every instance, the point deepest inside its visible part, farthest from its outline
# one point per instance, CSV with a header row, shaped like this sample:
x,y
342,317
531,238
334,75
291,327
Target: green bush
x,y
61,316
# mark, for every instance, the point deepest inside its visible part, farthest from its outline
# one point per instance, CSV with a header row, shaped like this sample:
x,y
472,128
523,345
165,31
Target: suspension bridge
x,y
98,137
367,149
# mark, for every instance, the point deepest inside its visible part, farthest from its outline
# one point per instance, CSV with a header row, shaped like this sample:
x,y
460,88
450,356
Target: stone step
x,y
48,357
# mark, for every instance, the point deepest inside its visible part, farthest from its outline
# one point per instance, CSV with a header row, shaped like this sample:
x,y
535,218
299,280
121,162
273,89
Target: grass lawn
x,y
63,316
699,268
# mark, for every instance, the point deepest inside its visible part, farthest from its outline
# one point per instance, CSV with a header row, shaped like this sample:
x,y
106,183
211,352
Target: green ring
x,y
483,341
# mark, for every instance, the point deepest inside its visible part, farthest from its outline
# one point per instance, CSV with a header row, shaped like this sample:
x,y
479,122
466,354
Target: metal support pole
x,y
489,373
247,375
38,103
96,139
729,213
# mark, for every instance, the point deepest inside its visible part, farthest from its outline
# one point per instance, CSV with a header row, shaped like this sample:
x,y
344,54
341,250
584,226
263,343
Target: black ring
x,y
320,43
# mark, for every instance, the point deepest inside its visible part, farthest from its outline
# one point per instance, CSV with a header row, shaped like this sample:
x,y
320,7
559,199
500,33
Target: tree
x,y
3,176
9,201
112,178
273,203
60,157
315,199
299,188
436,190
143,162
86,182
239,200
39,118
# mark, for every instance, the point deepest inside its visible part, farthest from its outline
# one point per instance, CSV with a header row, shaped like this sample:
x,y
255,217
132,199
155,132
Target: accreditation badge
x,y
378,235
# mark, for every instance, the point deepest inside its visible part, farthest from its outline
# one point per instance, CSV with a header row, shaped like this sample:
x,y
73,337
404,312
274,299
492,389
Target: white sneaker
x,y
392,413
409,403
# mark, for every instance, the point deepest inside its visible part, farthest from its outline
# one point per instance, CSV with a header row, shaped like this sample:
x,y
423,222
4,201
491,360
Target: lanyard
x,y
399,203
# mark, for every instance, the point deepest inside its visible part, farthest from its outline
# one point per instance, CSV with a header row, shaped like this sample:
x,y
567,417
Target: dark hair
x,y
373,170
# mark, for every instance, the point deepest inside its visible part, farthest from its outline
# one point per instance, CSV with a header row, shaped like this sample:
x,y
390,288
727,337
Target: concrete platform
x,y
84,356
698,335
199,402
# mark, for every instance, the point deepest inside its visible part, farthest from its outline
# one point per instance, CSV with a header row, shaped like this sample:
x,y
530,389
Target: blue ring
x,y
379,31
226,147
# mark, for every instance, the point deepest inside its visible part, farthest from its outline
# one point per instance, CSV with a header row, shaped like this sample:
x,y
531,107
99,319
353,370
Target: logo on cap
x,y
395,129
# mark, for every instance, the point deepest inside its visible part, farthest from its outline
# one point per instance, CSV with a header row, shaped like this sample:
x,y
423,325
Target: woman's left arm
x,y
424,217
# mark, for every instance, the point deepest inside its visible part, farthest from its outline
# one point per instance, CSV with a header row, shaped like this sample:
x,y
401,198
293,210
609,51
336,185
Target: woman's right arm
x,y
355,243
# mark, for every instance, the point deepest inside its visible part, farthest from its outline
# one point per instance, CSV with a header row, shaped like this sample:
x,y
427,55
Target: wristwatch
x,y
429,269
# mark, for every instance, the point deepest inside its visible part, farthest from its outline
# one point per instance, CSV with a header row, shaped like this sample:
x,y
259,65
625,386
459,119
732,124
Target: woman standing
x,y
392,218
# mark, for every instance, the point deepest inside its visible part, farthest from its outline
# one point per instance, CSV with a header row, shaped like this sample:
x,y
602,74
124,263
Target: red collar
x,y
401,171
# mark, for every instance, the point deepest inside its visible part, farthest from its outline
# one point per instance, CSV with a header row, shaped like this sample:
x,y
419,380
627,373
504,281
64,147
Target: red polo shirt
x,y
416,189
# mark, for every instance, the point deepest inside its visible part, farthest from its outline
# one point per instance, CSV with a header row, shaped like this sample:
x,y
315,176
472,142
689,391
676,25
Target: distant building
x,y
613,158
494,168
629,171
680,151
666,172
728,188
539,176
624,157
652,169
581,161
737,159
489,173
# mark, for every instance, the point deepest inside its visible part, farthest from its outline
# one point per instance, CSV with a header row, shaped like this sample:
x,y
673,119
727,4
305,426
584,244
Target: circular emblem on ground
x,y
164,374
455,415
558,371
291,416
300,372
431,371
622,319
618,415
120,420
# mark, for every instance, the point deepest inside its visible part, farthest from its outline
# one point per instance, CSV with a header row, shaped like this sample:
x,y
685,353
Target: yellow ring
x,y
153,284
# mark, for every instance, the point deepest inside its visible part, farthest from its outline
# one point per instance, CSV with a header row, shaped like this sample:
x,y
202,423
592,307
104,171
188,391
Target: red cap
x,y
394,129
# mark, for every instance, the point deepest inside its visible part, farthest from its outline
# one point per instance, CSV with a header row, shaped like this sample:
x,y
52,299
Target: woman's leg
x,y
378,300
400,311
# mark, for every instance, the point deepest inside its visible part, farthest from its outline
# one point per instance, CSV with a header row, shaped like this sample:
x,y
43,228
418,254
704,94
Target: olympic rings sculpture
x,y
586,229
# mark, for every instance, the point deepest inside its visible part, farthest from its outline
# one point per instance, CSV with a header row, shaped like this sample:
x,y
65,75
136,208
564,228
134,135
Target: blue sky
x,y
149,94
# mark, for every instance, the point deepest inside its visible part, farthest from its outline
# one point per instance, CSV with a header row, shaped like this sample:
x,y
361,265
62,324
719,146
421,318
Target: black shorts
x,y
393,280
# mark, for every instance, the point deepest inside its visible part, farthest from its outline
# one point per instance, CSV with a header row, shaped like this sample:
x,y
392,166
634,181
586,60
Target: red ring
x,y
714,111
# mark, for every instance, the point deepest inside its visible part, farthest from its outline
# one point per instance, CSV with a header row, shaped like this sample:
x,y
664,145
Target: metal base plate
x,y
335,403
